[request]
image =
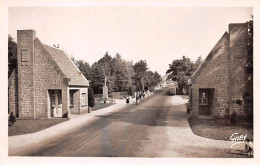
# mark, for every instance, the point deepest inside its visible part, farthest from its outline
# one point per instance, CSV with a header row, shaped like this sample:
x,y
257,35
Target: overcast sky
x,y
157,34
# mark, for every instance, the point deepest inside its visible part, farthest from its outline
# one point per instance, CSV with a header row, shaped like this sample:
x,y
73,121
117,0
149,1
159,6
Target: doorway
x,y
55,103
205,101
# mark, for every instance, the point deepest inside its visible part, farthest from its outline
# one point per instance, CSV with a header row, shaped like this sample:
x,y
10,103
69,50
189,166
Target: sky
x,y
158,35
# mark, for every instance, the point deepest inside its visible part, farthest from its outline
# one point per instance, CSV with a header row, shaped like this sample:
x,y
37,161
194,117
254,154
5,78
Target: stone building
x,y
217,86
46,82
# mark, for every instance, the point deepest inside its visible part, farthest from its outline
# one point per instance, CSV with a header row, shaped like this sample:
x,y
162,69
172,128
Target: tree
x,y
91,98
12,55
180,71
84,68
157,77
140,69
97,77
248,94
121,81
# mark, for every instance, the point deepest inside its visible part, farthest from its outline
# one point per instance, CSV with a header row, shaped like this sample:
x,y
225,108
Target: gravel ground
x,y
220,129
187,144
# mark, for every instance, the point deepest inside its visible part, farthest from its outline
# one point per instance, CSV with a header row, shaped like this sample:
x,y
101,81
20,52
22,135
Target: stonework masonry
x,y
223,72
25,59
43,80
47,75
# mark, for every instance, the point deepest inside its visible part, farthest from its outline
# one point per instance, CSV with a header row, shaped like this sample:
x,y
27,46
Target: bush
x,y
91,98
130,91
11,119
233,118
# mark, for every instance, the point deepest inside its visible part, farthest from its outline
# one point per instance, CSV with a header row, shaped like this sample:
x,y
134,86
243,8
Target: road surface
x,y
157,127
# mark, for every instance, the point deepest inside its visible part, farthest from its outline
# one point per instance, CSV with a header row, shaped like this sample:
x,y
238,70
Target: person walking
x,y
127,100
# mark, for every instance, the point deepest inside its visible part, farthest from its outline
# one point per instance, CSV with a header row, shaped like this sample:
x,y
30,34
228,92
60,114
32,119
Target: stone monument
x,y
105,91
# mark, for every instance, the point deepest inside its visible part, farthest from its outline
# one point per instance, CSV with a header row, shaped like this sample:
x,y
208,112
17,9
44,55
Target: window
x,y
83,99
203,98
71,99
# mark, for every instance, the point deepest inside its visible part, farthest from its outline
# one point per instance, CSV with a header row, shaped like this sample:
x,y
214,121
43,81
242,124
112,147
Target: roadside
x,y
185,143
220,129
22,127
21,143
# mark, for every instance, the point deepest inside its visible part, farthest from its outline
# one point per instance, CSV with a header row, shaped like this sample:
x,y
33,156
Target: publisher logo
x,y
236,138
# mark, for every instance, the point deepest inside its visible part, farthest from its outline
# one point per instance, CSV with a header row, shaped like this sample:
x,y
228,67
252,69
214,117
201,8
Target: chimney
x,y
25,61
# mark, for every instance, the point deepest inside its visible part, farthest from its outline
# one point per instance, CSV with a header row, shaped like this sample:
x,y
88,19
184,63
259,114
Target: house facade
x,y
218,85
46,83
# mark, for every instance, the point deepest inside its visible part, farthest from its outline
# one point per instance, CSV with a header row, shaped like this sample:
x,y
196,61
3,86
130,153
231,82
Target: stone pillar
x,y
195,100
65,102
105,91
25,65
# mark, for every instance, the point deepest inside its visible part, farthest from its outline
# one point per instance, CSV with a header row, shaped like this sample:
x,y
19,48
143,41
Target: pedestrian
x,y
11,119
127,100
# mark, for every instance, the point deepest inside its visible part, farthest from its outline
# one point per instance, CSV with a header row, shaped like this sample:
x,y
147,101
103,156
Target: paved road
x,y
154,128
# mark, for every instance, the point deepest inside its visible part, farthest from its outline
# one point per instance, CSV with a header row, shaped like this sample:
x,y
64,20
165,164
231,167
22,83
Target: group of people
x,y
135,99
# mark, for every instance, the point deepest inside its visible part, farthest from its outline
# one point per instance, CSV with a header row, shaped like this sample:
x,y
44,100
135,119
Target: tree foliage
x,y
121,75
84,68
180,70
12,55
248,94
140,69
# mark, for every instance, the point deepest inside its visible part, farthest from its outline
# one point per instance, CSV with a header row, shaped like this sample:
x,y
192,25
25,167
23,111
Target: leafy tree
x,y
140,69
106,63
12,55
157,77
121,82
248,94
121,75
97,76
84,68
180,70
149,80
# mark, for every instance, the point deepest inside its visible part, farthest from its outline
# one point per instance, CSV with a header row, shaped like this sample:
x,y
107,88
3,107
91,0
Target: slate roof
x,y
208,59
67,66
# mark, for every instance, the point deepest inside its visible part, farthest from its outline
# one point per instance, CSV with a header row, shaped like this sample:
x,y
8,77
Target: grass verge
x,y
21,127
220,129
100,105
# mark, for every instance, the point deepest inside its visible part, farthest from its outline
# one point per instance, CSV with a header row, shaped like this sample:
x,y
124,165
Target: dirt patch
x,y
21,127
220,129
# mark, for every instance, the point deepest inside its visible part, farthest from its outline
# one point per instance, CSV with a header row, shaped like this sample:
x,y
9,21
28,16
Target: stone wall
x,y
213,73
238,54
223,70
75,109
47,76
84,109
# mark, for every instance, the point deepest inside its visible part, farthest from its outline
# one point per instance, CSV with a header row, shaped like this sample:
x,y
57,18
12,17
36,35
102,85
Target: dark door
x,y
204,95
